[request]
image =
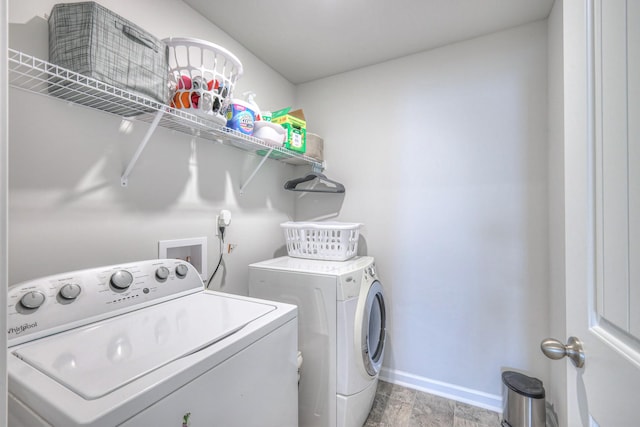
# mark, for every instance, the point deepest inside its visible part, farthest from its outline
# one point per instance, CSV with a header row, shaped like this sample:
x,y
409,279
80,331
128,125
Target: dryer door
x,y
372,322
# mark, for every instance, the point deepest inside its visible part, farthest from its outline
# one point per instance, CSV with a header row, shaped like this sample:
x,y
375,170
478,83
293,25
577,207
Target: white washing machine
x,y
341,333
143,344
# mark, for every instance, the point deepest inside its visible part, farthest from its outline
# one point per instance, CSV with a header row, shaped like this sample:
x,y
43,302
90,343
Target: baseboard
x,y
481,399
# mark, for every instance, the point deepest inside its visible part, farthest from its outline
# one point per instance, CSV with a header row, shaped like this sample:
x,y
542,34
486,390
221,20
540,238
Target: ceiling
x,y
305,40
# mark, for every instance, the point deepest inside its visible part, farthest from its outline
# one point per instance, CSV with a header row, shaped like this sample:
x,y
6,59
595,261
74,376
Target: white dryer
x,y
142,344
341,332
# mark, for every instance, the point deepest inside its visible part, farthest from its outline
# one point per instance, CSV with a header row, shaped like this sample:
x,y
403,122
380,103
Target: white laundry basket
x,y
331,241
202,76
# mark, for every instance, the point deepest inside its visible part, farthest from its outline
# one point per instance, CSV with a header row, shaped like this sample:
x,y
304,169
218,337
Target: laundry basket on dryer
x,y
330,241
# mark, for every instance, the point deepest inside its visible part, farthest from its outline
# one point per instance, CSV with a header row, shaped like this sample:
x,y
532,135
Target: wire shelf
x,y
41,77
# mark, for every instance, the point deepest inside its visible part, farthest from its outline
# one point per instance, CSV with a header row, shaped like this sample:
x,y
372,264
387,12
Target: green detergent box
x,y
296,125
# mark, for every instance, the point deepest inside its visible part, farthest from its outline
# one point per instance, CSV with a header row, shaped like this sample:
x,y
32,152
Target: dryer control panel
x,y
64,301
350,283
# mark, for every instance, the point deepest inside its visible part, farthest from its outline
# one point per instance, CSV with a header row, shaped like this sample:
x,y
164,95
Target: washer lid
x,y
96,359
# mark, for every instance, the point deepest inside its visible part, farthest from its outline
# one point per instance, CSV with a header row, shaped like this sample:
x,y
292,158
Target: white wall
x,y
444,156
67,209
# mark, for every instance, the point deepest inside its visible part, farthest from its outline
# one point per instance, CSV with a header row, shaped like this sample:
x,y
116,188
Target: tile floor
x,y
397,406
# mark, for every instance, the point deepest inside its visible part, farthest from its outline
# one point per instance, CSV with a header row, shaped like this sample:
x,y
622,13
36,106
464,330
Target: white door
x,y
4,144
602,202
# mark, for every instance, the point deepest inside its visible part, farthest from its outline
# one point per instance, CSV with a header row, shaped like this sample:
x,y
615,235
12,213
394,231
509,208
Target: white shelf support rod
x,y
124,179
255,171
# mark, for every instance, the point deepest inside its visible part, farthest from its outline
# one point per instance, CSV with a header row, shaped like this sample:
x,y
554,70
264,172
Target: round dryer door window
x,y
373,329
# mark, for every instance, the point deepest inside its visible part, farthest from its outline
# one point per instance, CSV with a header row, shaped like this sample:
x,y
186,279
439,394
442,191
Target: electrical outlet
x,y
223,220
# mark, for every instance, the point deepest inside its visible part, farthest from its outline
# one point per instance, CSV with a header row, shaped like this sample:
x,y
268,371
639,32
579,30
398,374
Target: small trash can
x,y
522,401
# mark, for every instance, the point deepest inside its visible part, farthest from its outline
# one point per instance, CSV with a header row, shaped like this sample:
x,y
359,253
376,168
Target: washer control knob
x,y
162,273
121,279
70,291
181,270
33,299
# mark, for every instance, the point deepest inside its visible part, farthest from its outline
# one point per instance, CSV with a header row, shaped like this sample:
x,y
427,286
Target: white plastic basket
x,y
331,241
202,77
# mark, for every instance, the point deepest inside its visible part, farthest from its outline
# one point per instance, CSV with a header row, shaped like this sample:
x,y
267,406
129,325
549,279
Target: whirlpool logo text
x,y
17,330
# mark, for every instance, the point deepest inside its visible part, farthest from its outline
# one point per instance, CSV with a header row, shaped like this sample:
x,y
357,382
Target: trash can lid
x,y
522,384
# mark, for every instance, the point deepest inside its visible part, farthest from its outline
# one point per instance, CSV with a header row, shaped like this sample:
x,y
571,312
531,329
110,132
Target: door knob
x,y
555,350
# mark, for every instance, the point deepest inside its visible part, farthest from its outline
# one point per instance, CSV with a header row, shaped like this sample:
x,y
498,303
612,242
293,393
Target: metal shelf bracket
x,y
318,167
124,179
255,171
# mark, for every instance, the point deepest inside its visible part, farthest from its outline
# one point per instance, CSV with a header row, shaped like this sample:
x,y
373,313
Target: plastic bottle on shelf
x,y
250,97
241,115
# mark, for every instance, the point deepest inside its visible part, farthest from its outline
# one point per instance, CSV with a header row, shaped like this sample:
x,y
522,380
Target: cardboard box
x,y
315,147
296,125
